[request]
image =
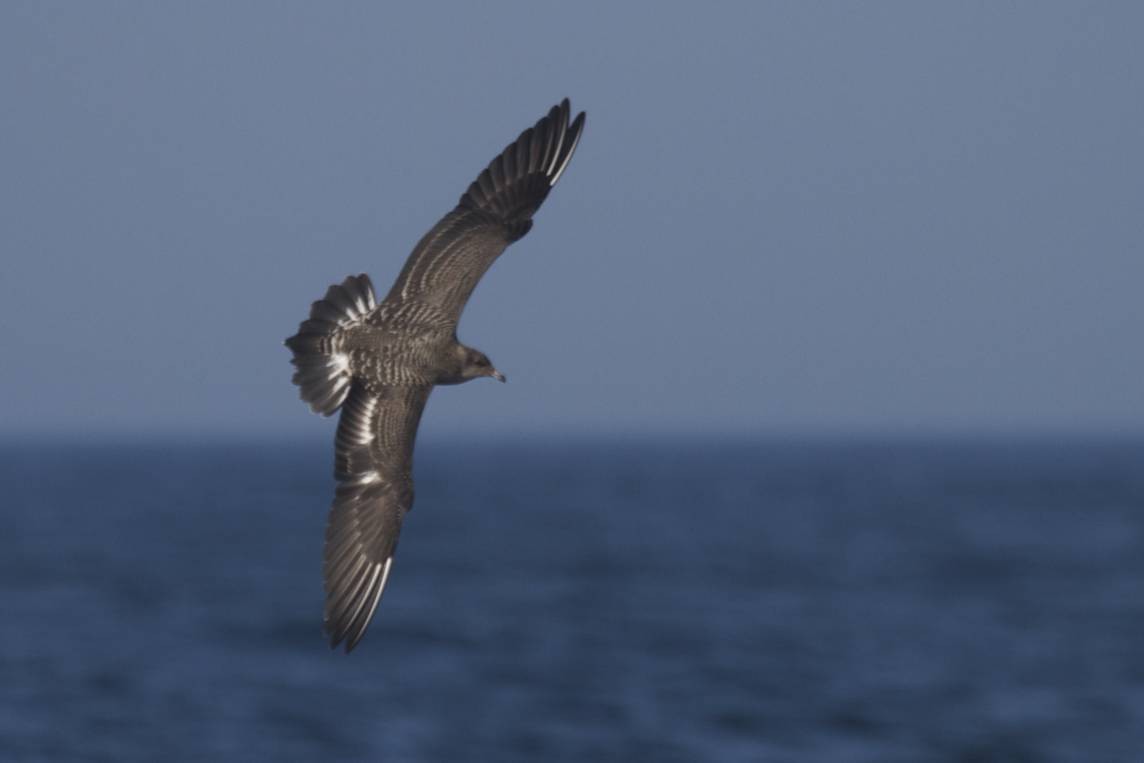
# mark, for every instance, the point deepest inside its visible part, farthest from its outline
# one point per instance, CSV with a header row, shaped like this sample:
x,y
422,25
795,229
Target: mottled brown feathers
x,y
378,363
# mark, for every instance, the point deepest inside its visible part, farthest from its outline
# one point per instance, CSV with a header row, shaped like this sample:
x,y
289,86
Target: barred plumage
x,y
378,363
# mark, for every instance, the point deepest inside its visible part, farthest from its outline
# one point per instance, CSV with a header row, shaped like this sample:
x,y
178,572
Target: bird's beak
x,y
499,376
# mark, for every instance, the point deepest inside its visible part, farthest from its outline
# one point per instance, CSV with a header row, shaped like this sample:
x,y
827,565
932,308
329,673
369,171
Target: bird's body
x,y
377,363
402,343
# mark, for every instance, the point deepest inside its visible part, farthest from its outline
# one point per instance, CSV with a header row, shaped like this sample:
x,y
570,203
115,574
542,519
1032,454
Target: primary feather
x,y
377,363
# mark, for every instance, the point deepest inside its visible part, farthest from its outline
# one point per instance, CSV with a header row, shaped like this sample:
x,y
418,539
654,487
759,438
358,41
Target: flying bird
x,y
378,362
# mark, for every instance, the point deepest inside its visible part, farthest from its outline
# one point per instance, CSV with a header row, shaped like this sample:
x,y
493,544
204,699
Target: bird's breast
x,y
381,356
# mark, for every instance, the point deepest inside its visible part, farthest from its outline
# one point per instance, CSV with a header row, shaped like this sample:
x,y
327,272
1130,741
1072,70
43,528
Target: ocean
x,y
610,600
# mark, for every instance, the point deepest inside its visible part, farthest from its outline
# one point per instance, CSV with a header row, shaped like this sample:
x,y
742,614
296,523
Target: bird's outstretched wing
x,y
496,210
373,466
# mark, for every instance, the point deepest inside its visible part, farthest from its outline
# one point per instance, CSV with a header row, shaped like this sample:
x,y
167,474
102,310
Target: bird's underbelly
x,y
385,358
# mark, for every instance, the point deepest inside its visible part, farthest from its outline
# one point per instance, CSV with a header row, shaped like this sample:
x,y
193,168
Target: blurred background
x,y
826,414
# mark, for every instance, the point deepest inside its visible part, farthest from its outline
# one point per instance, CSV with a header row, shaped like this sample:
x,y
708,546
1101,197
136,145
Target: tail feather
x,y
324,374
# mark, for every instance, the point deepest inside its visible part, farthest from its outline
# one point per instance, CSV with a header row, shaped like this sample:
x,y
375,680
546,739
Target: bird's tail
x,y
323,373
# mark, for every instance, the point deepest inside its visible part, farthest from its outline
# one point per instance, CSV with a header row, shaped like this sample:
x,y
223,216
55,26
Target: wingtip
x,y
566,107
574,131
515,183
338,638
346,627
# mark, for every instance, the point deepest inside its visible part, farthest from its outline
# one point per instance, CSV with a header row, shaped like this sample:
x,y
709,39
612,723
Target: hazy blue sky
x,y
800,216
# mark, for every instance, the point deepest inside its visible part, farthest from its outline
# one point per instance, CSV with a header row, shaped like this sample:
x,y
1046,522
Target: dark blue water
x,y
720,601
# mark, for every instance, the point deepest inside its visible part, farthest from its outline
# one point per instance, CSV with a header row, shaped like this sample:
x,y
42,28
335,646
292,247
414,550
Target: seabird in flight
x,y
378,362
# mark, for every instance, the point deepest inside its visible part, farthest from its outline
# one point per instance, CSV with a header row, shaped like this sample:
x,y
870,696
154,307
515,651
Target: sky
x,y
783,217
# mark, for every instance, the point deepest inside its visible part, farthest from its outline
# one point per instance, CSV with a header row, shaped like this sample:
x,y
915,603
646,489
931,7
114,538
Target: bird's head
x,y
475,364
